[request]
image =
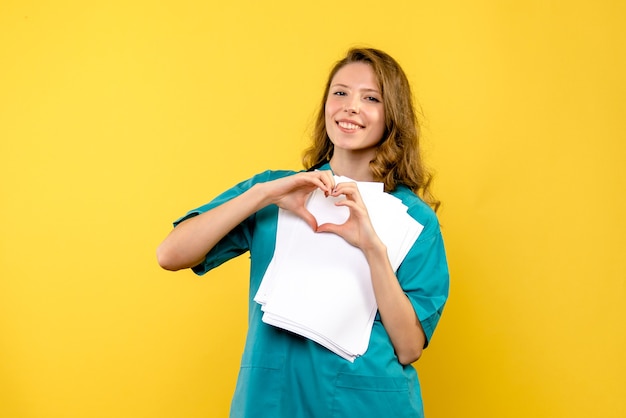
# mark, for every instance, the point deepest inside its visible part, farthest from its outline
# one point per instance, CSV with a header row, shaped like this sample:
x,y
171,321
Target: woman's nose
x,y
352,107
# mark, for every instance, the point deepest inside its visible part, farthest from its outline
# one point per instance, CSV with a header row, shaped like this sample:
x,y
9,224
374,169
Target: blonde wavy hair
x,y
398,158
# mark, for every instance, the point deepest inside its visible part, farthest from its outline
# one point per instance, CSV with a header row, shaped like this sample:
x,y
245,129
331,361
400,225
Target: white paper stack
x,y
319,286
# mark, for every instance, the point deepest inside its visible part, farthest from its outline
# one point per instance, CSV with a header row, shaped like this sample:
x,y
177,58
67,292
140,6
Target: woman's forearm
x,y
188,243
396,312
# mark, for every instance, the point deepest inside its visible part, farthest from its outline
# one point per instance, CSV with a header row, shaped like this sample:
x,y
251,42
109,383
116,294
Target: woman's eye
x,y
339,93
372,99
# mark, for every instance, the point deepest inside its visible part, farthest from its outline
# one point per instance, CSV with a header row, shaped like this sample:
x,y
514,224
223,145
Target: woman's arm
x,y
396,311
188,243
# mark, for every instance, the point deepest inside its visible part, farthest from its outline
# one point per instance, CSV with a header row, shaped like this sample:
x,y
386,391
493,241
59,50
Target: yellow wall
x,y
116,117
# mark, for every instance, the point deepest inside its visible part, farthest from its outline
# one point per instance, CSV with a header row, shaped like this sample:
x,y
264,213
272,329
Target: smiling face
x,y
354,111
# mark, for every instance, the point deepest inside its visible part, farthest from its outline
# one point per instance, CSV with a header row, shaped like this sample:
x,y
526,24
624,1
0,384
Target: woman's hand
x,y
358,229
291,193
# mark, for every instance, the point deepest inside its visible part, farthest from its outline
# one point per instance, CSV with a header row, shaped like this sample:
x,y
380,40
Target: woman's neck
x,y
355,167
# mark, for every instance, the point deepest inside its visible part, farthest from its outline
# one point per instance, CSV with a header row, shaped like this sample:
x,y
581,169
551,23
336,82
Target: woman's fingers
x,y
332,228
295,191
358,229
350,191
326,180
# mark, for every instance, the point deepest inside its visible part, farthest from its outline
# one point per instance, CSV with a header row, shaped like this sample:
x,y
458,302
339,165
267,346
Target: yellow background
x,y
116,117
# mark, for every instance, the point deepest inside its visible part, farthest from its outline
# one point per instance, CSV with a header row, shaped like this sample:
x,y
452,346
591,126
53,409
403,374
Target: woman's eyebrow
x,y
347,87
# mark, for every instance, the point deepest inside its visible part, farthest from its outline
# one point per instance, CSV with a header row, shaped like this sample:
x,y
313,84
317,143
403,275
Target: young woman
x,y
367,130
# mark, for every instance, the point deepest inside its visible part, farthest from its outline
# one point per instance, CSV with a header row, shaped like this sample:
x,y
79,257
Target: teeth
x,y
347,125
